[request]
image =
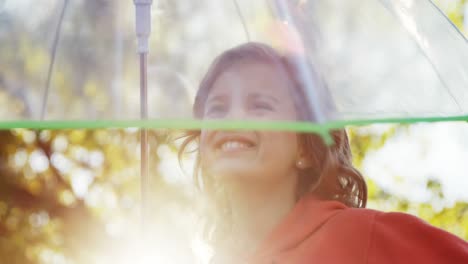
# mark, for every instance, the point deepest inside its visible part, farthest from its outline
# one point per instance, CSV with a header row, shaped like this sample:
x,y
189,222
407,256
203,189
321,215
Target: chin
x,y
234,172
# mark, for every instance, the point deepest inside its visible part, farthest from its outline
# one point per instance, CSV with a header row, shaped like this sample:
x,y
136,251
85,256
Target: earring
x,y
300,164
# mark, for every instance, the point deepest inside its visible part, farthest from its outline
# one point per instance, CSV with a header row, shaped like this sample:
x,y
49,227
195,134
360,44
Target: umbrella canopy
x,y
74,64
368,61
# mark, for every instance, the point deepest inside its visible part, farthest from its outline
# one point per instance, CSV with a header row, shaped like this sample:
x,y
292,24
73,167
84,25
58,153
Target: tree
x,y
73,196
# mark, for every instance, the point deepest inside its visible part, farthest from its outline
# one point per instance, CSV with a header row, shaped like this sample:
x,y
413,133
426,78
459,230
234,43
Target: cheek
x,y
280,149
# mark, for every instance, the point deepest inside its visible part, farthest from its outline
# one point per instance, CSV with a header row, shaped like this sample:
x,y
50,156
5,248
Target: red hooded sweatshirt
x,y
329,232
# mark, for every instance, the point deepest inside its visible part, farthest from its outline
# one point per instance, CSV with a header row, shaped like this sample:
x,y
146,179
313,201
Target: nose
x,y
236,112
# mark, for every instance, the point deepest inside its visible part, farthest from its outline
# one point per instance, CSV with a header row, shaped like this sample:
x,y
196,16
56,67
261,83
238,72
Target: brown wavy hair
x,y
333,176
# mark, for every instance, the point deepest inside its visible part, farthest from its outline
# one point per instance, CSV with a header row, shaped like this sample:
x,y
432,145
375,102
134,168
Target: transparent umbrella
x,y
74,64
374,60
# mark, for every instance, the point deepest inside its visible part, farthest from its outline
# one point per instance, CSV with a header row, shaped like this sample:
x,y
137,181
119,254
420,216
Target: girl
x,y
282,197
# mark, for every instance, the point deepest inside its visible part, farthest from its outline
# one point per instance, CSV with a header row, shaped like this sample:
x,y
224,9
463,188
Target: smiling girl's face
x,y
250,91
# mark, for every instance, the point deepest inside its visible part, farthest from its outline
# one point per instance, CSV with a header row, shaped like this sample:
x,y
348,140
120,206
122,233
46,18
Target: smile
x,y
233,145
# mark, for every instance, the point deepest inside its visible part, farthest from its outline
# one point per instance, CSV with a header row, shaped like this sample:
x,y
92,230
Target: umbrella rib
x,y
52,59
424,53
241,17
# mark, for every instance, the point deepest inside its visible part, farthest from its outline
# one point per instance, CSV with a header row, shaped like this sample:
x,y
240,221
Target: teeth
x,y
234,145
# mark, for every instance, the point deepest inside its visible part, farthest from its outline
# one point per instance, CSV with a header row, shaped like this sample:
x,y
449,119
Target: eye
x,y
261,105
215,109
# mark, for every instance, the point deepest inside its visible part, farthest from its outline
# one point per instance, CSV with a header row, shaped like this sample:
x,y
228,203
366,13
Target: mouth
x,y
235,144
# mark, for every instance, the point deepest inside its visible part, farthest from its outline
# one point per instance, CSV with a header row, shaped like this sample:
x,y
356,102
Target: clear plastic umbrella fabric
x,y
356,61
71,109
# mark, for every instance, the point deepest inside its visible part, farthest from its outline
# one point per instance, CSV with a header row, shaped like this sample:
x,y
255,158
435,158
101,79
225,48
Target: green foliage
x,y
454,11
452,218
73,196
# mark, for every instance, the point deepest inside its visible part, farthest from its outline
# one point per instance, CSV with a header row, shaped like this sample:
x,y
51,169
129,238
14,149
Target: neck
x,y
257,209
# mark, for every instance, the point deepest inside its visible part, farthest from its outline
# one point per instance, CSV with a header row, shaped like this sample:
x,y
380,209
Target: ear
x,y
304,162
305,159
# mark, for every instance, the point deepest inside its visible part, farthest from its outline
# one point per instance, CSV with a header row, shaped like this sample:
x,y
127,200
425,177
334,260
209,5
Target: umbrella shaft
x,y
143,86
145,184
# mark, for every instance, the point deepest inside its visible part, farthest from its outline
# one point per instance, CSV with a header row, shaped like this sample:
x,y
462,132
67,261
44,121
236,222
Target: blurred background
x,y
73,196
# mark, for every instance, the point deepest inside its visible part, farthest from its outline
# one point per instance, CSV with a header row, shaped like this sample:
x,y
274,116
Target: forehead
x,y
257,77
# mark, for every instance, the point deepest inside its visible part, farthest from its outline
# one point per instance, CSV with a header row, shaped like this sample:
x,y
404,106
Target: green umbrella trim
x,y
191,124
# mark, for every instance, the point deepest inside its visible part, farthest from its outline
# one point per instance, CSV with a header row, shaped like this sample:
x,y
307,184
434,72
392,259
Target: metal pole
x,y
145,181
143,30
